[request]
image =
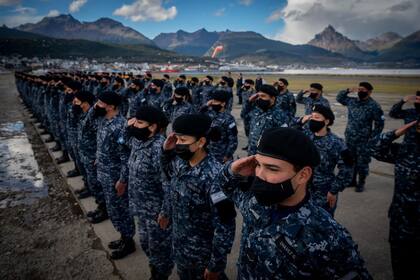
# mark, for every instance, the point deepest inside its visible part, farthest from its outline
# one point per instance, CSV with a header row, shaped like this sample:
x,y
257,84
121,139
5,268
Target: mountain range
x,y
329,47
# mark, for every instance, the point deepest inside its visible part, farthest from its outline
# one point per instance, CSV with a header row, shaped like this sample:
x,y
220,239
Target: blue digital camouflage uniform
x,y
408,115
54,113
404,212
301,242
228,142
204,92
112,159
262,120
196,97
174,109
245,114
146,195
62,112
310,102
286,101
334,154
167,90
146,98
360,135
200,239
86,146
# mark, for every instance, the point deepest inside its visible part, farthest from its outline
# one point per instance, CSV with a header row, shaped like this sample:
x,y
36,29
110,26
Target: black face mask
x,y
316,126
362,94
247,87
263,104
77,110
152,91
68,98
313,95
141,134
206,83
99,111
280,88
417,106
183,151
268,194
103,84
216,108
114,87
179,99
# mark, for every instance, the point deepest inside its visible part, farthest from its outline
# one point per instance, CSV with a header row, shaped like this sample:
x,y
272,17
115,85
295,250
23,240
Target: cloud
x,y
245,2
76,5
275,16
25,15
354,18
144,10
220,12
53,13
9,2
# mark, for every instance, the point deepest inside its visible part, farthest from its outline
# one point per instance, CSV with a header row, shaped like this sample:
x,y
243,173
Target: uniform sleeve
x,y
397,111
300,98
384,150
343,98
167,161
224,234
379,122
292,104
345,170
124,153
343,260
232,138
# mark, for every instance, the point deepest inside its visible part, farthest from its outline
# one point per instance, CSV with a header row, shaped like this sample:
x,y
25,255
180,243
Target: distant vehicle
x,y
169,69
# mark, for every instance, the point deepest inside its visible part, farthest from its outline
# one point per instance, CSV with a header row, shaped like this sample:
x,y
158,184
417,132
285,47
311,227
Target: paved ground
x,y
363,214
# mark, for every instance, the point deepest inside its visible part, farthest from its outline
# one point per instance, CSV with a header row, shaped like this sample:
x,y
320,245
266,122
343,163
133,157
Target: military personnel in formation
x,y
129,96
315,97
247,91
151,96
286,99
239,84
263,114
334,154
193,85
408,114
202,234
86,143
104,85
178,104
112,170
365,122
224,148
226,84
181,81
167,87
404,213
145,190
289,237
206,86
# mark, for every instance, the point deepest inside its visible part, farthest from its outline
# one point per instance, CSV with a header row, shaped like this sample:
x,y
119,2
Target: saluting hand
x,y
244,166
402,130
131,121
170,142
412,99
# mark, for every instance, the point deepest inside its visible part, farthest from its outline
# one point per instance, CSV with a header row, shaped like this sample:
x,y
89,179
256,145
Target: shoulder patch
x,y
120,140
232,125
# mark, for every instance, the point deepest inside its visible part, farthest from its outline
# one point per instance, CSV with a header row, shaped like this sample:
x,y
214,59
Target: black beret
x,y
269,89
325,111
157,82
249,81
184,91
209,77
151,115
219,94
85,96
195,79
290,145
366,85
318,86
166,76
197,125
224,78
284,81
183,77
138,83
110,98
76,86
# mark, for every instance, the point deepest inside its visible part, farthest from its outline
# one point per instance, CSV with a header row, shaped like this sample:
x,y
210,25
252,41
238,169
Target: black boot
x,y
156,275
73,173
84,194
128,246
64,158
99,215
56,148
49,139
360,187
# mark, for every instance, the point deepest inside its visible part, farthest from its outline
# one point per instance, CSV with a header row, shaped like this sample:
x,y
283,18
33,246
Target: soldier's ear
x,y
153,128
